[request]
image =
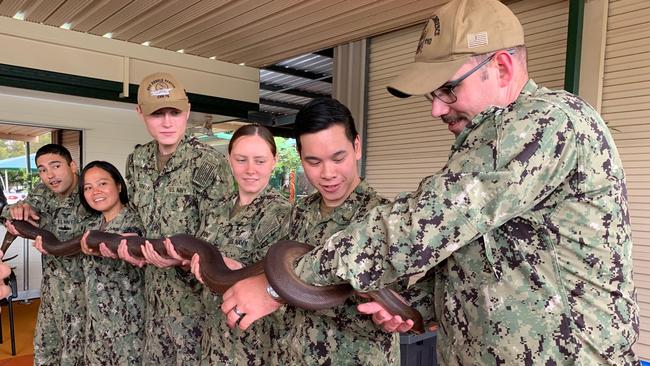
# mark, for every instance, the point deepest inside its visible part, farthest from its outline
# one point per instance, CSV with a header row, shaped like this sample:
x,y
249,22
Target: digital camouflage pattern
x,y
527,232
341,335
115,295
244,237
61,319
170,202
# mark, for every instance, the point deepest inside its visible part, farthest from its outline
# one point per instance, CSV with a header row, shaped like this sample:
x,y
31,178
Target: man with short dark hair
x,y
525,229
55,206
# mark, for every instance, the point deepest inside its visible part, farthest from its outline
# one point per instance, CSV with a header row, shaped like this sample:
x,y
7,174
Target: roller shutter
x,y
71,139
626,107
404,143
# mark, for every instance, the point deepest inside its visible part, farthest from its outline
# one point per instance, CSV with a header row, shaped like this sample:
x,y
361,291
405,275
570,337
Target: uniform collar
x,y
151,156
343,213
529,89
71,198
266,193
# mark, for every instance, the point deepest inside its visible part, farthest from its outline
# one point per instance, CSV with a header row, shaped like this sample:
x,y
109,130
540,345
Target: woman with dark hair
x,y
247,223
114,289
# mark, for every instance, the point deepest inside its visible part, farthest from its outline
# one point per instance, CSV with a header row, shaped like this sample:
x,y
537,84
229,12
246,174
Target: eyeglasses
x,y
446,92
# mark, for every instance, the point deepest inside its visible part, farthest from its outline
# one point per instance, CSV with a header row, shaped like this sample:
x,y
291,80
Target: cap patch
x,y
425,38
477,39
160,92
455,32
436,25
160,88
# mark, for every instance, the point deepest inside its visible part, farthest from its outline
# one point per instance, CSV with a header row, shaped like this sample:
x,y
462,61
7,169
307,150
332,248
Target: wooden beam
x,y
11,136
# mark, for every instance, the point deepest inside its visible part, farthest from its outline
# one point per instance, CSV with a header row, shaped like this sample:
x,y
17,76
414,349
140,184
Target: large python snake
x,y
278,266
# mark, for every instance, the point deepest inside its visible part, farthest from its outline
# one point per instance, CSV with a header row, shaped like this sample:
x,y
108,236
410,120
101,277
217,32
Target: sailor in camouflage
x,y
243,225
526,228
329,147
339,335
174,181
530,246
244,237
114,289
61,320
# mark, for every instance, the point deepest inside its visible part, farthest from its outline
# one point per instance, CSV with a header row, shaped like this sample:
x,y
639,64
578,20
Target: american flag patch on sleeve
x,y
205,174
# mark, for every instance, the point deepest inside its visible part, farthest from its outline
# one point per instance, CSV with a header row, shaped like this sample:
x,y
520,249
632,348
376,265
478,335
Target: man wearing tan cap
x,y
174,181
526,228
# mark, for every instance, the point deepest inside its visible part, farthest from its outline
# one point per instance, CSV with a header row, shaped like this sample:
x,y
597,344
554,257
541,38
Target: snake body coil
x,y
278,266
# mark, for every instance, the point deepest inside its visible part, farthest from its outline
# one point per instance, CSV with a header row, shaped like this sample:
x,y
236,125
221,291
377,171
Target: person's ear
x,y
139,110
357,148
275,161
505,67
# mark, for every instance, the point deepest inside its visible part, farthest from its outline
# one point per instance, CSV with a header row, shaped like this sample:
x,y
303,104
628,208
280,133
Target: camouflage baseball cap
x,y
161,90
459,30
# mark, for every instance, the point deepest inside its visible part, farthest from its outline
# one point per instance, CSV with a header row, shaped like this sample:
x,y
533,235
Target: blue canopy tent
x,y
18,162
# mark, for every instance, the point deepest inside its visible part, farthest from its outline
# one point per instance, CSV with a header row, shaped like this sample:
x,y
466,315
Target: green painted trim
x,y
56,82
366,84
574,46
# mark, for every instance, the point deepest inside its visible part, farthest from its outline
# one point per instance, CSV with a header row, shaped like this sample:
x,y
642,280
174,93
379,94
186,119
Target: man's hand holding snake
x,y
250,298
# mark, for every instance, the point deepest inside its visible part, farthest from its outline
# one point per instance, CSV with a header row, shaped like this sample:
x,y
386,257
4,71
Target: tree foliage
x,y
13,148
19,178
288,158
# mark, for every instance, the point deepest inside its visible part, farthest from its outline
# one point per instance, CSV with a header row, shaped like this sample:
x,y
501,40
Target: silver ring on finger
x,y
237,312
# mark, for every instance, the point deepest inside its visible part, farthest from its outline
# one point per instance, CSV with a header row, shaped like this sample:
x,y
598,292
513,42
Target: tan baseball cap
x,y
161,90
459,30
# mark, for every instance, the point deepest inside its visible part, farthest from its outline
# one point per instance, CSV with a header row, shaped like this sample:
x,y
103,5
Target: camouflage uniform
x,y
61,320
527,231
115,296
245,237
340,335
169,202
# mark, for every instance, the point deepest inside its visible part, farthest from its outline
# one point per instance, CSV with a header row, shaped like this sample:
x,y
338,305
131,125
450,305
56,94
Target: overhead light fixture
x,y
66,25
213,58
19,15
182,50
108,35
146,43
242,64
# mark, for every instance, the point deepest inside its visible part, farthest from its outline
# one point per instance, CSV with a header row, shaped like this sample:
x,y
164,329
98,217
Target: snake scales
x,y
278,266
